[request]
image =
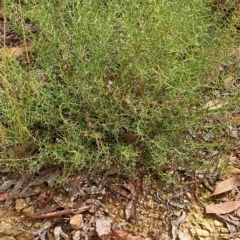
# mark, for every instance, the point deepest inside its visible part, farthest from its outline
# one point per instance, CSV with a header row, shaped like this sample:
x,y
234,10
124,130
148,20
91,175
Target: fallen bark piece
x,y
223,208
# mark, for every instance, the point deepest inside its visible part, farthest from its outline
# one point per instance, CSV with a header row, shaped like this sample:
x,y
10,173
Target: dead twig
x,y
58,213
7,196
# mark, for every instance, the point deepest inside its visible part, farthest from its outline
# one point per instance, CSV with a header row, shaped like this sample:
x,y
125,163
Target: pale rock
x,y
217,223
150,203
28,211
226,237
76,221
37,189
207,226
10,228
46,224
27,224
20,204
164,236
224,230
91,233
4,226
196,215
121,214
77,235
192,231
8,238
184,236
201,232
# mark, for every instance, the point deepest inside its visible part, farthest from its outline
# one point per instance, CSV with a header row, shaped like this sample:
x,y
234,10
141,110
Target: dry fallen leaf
x,y
223,208
227,185
76,235
130,186
122,235
17,51
103,227
41,233
129,209
228,82
129,137
237,197
176,224
97,203
57,231
126,103
214,104
237,212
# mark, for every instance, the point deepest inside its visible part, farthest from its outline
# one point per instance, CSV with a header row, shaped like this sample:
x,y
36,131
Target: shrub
x,y
114,84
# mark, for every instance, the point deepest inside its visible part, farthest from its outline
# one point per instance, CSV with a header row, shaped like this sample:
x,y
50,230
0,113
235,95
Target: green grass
x,y
114,83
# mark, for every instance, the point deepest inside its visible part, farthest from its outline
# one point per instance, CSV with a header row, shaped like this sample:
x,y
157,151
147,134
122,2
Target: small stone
x,y
202,232
207,226
10,228
192,231
46,224
224,230
76,221
8,238
91,233
184,236
217,223
4,226
196,215
37,189
28,211
20,204
77,235
121,214
226,237
27,224
234,134
150,203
